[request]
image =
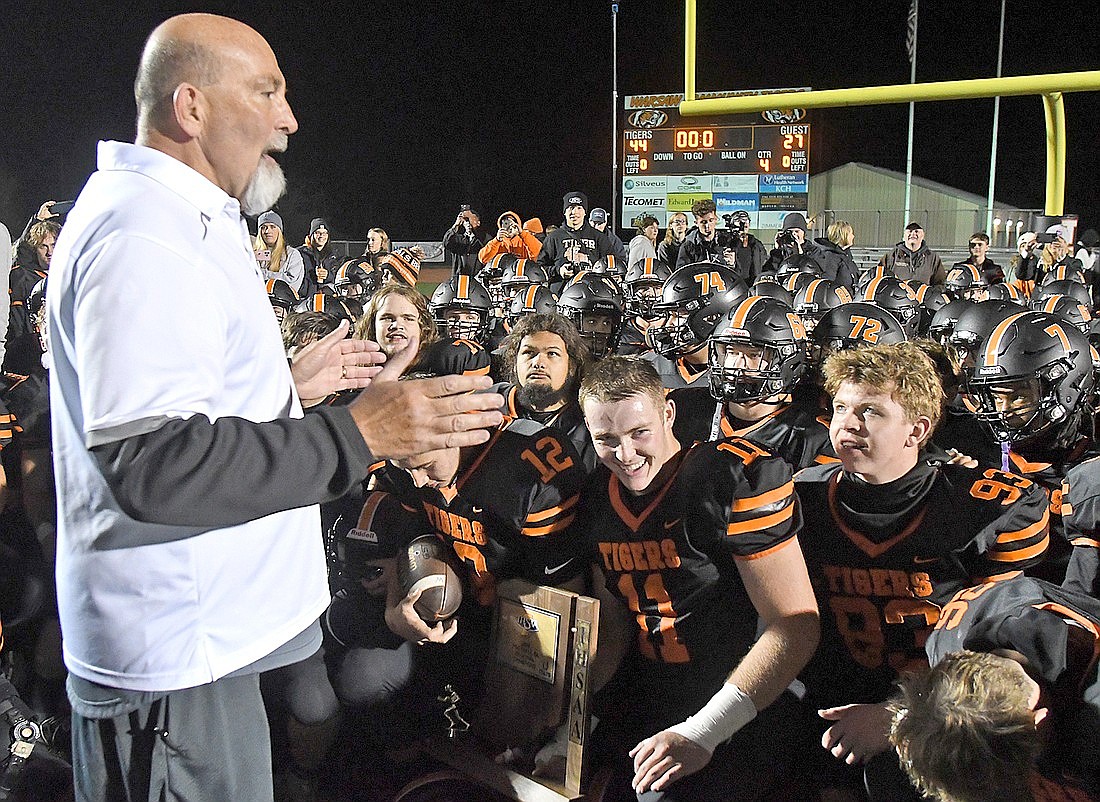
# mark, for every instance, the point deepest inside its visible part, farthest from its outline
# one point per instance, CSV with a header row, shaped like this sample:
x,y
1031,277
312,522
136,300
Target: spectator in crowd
x,y
320,262
544,361
575,243
534,228
644,243
1086,254
510,238
1053,254
702,243
599,220
669,248
378,245
176,587
837,263
1019,263
275,259
23,352
990,271
790,241
749,253
463,240
913,259
397,318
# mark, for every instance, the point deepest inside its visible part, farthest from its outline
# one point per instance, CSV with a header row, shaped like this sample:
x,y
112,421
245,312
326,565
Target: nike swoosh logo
x,y
556,568
923,560
476,510
670,524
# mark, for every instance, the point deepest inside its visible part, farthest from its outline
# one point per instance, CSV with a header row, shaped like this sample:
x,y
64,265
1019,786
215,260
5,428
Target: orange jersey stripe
x,y
1025,533
557,526
764,499
757,524
1021,554
768,551
543,515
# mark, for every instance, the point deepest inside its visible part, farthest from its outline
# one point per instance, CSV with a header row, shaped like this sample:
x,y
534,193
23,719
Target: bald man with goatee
x,y
189,556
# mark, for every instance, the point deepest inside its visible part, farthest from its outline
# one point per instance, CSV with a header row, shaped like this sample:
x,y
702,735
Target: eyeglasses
x,y
976,244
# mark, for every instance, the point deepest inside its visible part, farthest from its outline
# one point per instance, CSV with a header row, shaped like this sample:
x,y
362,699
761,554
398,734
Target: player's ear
x,y
670,412
922,430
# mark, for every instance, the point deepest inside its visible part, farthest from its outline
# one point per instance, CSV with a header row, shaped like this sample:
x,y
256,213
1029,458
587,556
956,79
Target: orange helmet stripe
x,y
994,343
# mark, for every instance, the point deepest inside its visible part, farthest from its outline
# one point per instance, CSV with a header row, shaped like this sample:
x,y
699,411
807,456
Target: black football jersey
x,y
1079,508
632,341
676,373
453,358
509,510
794,431
569,420
1058,631
26,410
881,578
670,553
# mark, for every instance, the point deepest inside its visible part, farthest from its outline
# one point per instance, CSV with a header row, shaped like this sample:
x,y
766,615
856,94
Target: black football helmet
x,y
531,300
930,300
693,300
891,294
818,297
610,266
762,328
596,310
1069,309
466,295
344,308
771,289
1074,289
965,281
1063,272
974,325
522,273
492,274
642,286
1032,373
945,318
854,325
282,296
353,280
1004,292
797,263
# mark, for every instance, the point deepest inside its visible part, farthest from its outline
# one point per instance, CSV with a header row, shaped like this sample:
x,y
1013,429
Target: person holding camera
x,y
510,238
749,253
574,246
463,240
702,243
1050,252
791,240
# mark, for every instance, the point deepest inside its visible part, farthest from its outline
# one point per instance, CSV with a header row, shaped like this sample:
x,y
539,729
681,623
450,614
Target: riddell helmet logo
x,y
648,118
363,534
779,116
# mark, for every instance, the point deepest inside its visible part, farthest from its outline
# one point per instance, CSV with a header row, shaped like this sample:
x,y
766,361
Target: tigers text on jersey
x,y
670,553
794,431
509,509
883,560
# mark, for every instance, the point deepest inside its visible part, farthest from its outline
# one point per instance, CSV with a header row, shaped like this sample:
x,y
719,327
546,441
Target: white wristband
x,y
727,711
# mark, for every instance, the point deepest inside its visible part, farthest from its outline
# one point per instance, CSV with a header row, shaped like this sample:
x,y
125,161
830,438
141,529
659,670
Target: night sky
x,y
408,109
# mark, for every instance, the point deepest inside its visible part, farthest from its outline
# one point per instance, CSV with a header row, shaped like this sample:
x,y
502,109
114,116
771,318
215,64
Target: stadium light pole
x,y
996,121
614,113
911,47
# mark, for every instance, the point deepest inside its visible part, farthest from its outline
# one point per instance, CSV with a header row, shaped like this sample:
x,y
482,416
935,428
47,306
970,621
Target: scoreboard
x,y
757,163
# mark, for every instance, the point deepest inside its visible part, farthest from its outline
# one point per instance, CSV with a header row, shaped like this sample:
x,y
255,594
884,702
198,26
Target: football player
x,y
693,299
1010,707
505,508
757,359
894,538
1033,384
693,544
544,358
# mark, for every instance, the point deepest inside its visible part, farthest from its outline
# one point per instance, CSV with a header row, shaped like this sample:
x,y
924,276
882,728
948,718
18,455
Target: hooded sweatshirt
x,y
523,244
